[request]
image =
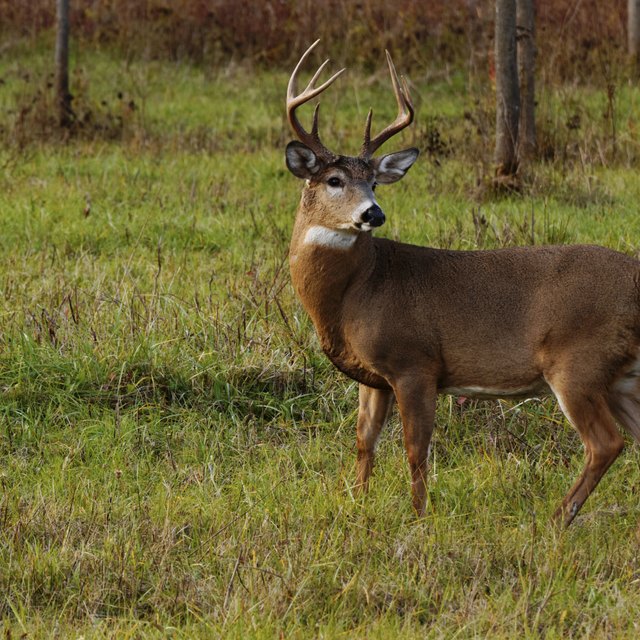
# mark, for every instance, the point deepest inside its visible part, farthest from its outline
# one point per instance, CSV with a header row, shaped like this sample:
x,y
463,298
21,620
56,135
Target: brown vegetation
x,y
576,38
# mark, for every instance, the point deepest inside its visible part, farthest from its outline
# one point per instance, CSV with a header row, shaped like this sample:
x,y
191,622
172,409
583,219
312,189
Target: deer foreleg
x,y
416,398
373,411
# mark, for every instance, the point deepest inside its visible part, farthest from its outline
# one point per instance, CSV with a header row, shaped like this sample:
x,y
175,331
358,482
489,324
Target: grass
x,y
176,455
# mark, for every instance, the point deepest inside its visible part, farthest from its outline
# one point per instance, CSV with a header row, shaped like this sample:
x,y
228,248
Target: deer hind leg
x,y
417,403
591,416
373,411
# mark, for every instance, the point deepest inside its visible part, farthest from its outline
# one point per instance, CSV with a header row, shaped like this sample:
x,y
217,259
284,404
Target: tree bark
x,y
633,31
63,95
525,32
507,89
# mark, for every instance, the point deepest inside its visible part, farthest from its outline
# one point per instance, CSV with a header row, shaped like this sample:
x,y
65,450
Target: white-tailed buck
x,y
410,322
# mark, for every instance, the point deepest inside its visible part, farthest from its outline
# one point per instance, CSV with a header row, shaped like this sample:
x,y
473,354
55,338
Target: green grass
x,y
176,455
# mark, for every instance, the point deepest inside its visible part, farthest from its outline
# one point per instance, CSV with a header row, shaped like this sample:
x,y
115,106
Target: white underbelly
x,y
473,391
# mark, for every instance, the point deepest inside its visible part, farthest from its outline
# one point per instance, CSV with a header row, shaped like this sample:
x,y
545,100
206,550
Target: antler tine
x,y
314,126
403,119
405,92
315,91
292,86
294,100
367,130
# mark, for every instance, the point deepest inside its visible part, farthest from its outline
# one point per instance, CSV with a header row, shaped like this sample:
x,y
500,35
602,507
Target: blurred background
x,y
577,39
583,68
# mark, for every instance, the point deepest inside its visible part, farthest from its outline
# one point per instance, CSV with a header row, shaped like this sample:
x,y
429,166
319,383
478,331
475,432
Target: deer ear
x,y
301,160
393,166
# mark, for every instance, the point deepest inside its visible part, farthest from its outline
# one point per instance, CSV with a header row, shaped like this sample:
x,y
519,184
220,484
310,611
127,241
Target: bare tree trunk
x,y
525,31
62,64
507,89
633,34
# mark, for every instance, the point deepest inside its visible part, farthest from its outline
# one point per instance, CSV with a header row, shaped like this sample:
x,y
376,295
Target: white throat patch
x,y
332,238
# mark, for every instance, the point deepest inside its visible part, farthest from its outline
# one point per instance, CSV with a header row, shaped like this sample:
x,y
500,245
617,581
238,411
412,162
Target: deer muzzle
x,y
373,216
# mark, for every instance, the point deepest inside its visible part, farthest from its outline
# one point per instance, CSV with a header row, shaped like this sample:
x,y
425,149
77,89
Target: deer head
x,y
340,189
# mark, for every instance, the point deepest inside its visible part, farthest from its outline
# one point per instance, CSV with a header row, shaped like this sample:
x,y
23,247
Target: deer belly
x,y
537,388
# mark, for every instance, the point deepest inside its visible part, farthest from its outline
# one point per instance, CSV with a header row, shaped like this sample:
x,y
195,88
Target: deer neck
x,y
328,268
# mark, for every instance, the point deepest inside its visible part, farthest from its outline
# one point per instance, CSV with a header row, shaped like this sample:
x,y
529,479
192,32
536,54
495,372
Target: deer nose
x,y
374,216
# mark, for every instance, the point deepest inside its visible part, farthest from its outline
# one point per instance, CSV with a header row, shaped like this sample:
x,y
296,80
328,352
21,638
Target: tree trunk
x,y
62,64
633,34
507,90
525,32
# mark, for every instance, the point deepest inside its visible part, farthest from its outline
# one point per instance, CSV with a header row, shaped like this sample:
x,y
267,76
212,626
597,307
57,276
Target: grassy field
x,y
176,454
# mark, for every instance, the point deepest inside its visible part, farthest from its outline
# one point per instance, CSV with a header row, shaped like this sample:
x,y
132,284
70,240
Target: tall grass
x,y
177,456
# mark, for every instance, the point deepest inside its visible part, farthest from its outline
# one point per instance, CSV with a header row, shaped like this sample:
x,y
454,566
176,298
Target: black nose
x,y
374,216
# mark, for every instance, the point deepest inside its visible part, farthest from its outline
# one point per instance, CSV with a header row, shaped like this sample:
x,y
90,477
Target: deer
x,y
408,323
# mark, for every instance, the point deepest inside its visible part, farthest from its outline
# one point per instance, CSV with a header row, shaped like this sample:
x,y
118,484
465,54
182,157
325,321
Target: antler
x,y
312,140
403,119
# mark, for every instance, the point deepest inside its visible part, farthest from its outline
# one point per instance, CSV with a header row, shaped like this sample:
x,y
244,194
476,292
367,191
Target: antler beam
x,y
294,100
403,119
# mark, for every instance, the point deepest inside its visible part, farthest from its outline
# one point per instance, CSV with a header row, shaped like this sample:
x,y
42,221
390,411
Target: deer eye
x,y
334,182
